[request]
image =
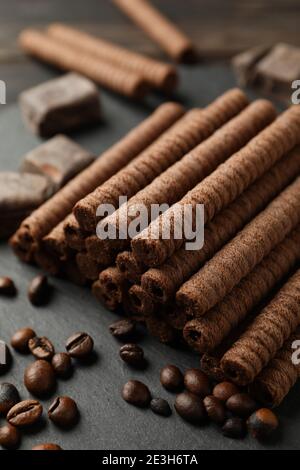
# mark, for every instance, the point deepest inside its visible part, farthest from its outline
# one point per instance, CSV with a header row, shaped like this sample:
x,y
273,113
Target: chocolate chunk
x,y
59,159
60,105
245,62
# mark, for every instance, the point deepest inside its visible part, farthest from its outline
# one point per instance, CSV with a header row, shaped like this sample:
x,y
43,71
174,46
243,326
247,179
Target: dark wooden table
x,y
220,28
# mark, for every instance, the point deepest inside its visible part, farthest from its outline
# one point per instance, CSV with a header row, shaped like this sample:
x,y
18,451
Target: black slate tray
x,y
107,422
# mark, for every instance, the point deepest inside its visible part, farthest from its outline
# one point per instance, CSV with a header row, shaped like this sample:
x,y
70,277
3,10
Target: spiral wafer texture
x,y
129,267
51,213
275,381
89,268
184,135
206,333
75,237
107,301
113,284
161,30
140,303
61,55
265,336
163,282
236,259
157,74
222,187
177,180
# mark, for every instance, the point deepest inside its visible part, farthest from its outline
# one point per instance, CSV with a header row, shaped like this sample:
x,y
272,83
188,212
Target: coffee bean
x,y
160,406
190,407
39,291
136,393
79,345
10,436
9,396
123,329
262,423
47,446
234,427
215,409
41,348
19,340
171,378
241,404
6,358
225,390
39,378
197,382
63,412
62,364
25,413
7,287
132,354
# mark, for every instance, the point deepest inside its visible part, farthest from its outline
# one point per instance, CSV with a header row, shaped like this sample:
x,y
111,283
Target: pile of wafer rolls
x,y
236,299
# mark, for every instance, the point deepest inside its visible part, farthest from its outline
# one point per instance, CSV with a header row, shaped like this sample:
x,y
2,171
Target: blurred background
x,y
220,28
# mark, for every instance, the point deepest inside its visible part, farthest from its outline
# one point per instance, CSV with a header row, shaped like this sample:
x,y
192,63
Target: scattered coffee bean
x,y
190,407
225,390
62,364
215,409
47,446
132,354
63,412
25,413
123,329
41,348
234,427
39,290
6,358
19,340
10,436
241,404
79,345
197,382
9,397
7,287
161,407
171,378
262,423
39,378
136,393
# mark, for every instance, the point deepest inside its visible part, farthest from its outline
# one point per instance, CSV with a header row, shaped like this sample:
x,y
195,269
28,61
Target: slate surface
x,y
106,421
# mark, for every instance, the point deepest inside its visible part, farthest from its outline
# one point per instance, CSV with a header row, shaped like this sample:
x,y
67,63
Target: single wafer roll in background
x,y
46,217
74,235
175,182
156,73
276,380
236,259
129,267
206,333
162,282
113,284
87,266
184,135
55,52
234,176
161,30
265,336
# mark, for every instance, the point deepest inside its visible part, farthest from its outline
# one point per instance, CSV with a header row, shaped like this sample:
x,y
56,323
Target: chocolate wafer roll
x,y
175,182
237,259
107,301
48,261
44,219
55,242
184,135
156,73
175,317
100,250
87,266
163,282
113,283
62,56
140,303
233,177
206,333
210,364
75,237
129,267
265,336
161,30
159,328
275,381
